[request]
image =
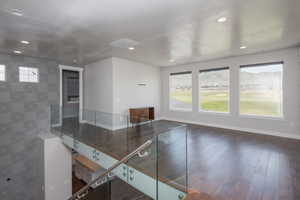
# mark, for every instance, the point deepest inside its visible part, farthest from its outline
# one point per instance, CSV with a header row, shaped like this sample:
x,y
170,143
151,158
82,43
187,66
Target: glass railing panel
x,y
121,190
61,122
142,173
172,166
55,119
55,113
130,182
106,138
162,163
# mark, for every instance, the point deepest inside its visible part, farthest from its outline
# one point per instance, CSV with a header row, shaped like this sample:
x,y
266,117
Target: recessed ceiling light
x,y
243,47
172,60
222,19
17,12
17,52
25,42
131,48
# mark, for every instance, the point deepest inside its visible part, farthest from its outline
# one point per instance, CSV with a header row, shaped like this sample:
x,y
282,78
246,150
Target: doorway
x,y
70,96
70,107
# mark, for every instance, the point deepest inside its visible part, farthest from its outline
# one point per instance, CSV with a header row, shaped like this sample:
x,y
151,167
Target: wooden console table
x,y
138,115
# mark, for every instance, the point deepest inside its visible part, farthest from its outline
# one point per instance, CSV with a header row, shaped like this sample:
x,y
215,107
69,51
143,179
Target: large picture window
x,y
181,91
261,89
214,90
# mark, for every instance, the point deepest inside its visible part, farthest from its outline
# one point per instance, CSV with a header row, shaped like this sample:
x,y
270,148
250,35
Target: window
x,y
261,89
28,74
214,90
2,72
181,91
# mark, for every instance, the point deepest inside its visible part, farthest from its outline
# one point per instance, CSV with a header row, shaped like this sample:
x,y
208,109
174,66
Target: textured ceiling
x,y
181,30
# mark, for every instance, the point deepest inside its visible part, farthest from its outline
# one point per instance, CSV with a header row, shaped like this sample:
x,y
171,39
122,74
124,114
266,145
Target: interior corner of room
x,y
160,100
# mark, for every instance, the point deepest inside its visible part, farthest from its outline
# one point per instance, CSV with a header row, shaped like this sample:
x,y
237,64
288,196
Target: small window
x,y
214,90
2,72
28,74
181,91
261,89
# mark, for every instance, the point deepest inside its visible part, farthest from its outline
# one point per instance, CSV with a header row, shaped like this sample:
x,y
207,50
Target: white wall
x,y
127,93
98,86
287,127
111,86
57,161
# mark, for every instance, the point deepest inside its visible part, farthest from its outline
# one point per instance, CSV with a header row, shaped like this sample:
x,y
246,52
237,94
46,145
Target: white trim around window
x,y
180,109
201,110
254,116
28,74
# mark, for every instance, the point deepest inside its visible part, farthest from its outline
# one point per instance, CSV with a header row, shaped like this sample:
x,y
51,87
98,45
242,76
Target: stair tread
x,y
88,163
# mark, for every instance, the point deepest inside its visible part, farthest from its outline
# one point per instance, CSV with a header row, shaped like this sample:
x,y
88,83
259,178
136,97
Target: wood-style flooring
x,y
223,164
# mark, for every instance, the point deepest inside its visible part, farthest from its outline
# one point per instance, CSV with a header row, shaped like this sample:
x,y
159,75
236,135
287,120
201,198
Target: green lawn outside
x,y
251,102
255,103
214,101
183,96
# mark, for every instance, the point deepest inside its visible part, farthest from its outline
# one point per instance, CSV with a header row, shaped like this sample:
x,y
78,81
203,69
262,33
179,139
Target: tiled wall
x,y
24,113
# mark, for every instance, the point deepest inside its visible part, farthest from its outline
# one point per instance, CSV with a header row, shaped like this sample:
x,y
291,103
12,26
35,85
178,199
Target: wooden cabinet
x,y
138,115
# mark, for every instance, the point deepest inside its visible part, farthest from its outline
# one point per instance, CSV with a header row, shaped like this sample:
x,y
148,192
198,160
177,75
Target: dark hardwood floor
x,y
233,165
224,164
77,184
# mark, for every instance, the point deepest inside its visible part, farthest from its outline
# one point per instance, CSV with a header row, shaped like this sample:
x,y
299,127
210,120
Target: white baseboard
x,y
55,125
114,128
249,130
105,126
70,116
147,122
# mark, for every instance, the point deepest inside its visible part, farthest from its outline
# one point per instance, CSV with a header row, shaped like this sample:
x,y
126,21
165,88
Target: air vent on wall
x,y
124,43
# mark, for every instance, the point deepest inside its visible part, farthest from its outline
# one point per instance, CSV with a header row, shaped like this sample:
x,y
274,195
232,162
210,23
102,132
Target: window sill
x,y
214,112
180,110
262,117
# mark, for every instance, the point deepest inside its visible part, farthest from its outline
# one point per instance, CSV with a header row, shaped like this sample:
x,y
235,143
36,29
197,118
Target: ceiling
x,y
182,31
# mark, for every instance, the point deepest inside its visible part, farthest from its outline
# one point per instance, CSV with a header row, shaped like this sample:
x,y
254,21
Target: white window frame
x,y
229,88
29,81
253,116
4,67
180,109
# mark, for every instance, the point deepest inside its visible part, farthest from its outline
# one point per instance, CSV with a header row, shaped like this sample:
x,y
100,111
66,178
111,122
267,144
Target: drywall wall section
x,y
98,86
286,127
98,93
135,85
114,85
